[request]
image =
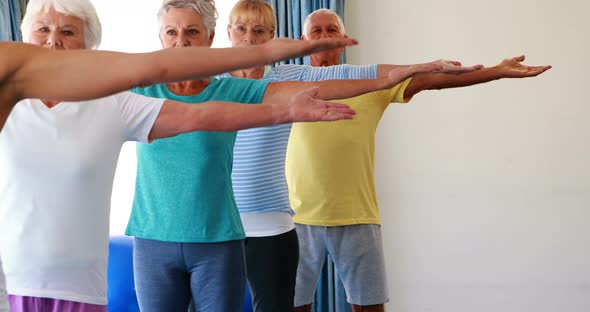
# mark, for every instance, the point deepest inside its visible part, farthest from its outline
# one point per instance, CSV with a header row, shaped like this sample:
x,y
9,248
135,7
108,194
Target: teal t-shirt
x,y
183,190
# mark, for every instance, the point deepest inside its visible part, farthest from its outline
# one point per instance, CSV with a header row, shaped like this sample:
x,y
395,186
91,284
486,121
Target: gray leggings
x,y
168,275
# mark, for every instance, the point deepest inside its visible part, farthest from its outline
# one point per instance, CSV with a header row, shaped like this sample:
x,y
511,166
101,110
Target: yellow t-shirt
x,y
330,165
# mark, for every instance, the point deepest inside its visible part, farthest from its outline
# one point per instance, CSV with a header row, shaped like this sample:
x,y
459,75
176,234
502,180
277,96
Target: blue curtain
x,y
330,295
291,15
11,12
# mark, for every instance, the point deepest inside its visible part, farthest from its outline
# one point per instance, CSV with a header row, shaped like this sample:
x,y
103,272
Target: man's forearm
x,y
446,81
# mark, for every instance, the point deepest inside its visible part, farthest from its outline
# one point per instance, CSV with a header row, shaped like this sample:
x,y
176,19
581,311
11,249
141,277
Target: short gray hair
x,y
205,8
323,11
81,9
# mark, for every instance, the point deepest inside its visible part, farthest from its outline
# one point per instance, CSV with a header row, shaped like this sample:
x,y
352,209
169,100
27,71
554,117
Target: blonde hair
x,y
254,11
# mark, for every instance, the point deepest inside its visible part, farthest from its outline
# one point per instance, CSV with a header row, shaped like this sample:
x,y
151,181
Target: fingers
x,y
455,67
426,68
456,63
523,71
337,116
352,41
336,111
457,70
517,59
339,108
537,70
461,70
332,43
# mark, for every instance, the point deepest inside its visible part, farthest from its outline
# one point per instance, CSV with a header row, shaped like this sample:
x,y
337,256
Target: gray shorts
x,y
357,252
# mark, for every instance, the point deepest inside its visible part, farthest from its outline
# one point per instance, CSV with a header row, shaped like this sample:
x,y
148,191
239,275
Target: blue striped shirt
x,y
258,174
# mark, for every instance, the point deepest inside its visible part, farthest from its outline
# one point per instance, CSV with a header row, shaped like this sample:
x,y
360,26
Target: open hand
x,y
513,68
305,107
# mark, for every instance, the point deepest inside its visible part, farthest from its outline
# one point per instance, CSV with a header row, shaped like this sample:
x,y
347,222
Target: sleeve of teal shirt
x,y
137,91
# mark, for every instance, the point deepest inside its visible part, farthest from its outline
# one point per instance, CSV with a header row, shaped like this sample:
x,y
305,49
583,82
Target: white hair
x,y
81,9
327,12
205,8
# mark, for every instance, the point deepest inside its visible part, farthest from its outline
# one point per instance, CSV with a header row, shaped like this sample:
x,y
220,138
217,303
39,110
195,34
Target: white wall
x,y
484,191
131,26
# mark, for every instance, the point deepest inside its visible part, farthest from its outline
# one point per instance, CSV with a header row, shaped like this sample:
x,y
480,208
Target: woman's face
x,y
243,33
58,31
184,28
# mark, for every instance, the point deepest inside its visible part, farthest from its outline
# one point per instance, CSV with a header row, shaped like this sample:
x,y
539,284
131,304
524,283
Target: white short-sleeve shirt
x,y
57,168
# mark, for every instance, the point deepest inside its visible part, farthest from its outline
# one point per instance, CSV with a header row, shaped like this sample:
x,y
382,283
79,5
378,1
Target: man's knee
x,y
303,308
368,308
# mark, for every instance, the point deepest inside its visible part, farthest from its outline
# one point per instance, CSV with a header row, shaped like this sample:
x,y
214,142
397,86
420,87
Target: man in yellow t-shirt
x,y
330,173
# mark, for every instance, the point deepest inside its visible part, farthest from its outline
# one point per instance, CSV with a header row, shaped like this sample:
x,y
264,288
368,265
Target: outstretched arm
x,y
341,89
448,67
176,117
509,68
83,74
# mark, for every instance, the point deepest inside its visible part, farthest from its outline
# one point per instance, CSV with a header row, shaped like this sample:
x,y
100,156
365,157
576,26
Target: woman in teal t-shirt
x,y
189,237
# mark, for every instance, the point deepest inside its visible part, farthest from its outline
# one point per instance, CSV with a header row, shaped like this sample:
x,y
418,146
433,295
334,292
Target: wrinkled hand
x,y
512,68
305,107
454,67
285,48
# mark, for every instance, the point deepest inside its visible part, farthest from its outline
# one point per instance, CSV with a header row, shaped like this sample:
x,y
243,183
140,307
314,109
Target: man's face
x,y
324,26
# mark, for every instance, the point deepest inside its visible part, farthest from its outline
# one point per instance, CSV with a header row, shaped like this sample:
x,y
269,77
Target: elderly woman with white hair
x,y
189,240
58,158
